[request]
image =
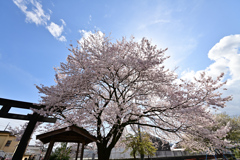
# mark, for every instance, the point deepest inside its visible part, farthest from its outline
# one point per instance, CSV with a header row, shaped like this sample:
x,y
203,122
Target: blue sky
x,y
200,36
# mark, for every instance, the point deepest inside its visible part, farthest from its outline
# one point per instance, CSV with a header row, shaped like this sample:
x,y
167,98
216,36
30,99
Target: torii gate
x,y
32,118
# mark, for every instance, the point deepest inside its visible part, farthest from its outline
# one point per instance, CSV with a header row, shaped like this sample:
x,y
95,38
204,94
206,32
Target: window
x,y
8,143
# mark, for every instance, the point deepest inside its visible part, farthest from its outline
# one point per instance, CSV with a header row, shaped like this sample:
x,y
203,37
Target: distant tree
x,y
223,119
236,152
139,145
234,134
106,86
18,130
131,142
61,153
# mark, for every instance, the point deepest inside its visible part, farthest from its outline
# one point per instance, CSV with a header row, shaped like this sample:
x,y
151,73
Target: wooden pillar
x,y
77,151
5,109
49,150
25,137
81,158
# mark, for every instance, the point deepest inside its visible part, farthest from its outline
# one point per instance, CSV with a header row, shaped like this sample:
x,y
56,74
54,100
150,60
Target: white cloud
x,y
157,21
188,75
62,38
226,57
86,34
63,22
35,14
57,30
90,18
50,11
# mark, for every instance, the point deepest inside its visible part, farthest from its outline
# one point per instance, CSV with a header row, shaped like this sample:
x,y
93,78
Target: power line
x,y
6,126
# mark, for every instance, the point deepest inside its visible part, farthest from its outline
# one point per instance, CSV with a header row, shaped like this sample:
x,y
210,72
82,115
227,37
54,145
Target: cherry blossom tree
x,y
223,121
106,86
18,130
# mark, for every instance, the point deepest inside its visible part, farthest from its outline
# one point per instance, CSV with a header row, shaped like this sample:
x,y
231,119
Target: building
x,y
35,151
162,145
8,143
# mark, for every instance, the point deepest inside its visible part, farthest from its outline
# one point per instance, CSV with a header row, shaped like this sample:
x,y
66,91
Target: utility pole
x,y
6,126
140,137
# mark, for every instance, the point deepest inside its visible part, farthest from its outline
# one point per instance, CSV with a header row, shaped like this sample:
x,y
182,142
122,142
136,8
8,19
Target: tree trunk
x,y
134,156
103,152
105,147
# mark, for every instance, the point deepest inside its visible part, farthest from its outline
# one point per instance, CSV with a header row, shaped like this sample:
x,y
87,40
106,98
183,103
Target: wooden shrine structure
x,y
68,134
7,104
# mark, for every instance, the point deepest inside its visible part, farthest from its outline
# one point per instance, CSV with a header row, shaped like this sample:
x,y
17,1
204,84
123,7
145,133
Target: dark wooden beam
x,y
70,138
15,116
49,150
25,138
77,150
26,117
5,108
19,104
66,139
51,133
82,151
46,119
32,118
83,132
68,134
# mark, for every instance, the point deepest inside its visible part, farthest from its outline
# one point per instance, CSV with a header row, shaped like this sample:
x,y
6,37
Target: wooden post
x,y
5,109
77,151
49,150
81,158
25,137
